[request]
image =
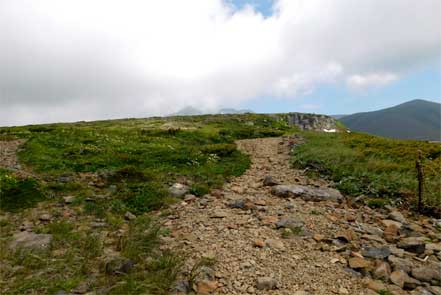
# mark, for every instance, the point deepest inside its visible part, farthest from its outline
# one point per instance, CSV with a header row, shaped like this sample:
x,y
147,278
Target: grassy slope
x,y
417,119
131,163
371,165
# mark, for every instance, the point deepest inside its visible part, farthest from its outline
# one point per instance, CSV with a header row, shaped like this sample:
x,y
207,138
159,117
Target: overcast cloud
x,y
63,60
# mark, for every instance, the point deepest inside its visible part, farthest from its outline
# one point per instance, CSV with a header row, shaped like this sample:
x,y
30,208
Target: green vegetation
x,y
140,157
17,192
374,166
111,167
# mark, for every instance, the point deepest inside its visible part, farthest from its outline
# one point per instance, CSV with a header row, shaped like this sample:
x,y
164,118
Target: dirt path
x,y
8,154
245,241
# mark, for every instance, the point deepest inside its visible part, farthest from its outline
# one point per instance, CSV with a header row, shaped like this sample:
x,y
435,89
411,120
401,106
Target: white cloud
x,y
84,59
359,82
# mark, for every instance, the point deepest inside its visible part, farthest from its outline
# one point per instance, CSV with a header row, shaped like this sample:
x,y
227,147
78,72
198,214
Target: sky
x,y
64,60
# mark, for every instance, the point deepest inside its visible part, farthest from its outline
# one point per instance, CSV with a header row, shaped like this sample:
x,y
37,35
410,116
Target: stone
x,y
178,190
387,222
219,213
397,216
189,198
82,288
129,216
372,230
289,223
318,237
435,290
345,236
427,273
307,193
206,287
259,243
275,244
358,263
343,291
436,247
68,199
241,204
266,283
413,244
421,291
45,217
382,271
391,233
269,220
301,293
411,283
180,287
118,265
30,240
374,285
400,264
377,253
269,181
398,277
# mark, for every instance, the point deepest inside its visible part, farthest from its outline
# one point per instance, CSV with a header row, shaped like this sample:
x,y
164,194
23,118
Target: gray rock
x,y
129,216
307,193
435,290
237,204
397,216
289,223
377,253
421,291
45,217
180,287
30,240
68,199
413,244
266,283
269,181
382,271
82,288
400,264
118,265
428,273
178,190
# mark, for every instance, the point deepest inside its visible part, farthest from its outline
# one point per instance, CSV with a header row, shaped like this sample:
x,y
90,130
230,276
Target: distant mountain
x,y
191,111
187,111
338,116
234,111
417,119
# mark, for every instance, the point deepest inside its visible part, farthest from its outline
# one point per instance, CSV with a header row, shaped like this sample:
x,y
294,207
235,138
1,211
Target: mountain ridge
x,y
416,119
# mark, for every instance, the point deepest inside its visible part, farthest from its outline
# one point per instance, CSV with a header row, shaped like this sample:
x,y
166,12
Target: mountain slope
x,y
416,119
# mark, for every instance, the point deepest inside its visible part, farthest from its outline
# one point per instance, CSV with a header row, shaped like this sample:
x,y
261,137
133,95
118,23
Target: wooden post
x,y
420,176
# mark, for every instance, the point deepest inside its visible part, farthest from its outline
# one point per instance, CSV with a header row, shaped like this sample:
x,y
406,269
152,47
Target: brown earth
x,y
245,242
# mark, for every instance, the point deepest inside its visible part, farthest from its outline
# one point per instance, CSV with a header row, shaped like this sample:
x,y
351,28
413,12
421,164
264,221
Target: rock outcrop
x,y
311,121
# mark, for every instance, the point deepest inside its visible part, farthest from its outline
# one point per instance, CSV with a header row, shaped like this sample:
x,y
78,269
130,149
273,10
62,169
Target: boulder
x,y
307,193
358,263
269,181
413,244
377,253
428,273
397,216
266,283
178,190
30,240
289,223
400,264
382,271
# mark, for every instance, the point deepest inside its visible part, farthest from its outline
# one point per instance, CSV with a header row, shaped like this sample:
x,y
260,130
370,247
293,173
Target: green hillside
x,y
416,119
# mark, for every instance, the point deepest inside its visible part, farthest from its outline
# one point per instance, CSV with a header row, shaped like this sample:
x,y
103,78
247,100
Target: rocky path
x,y
8,154
263,244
